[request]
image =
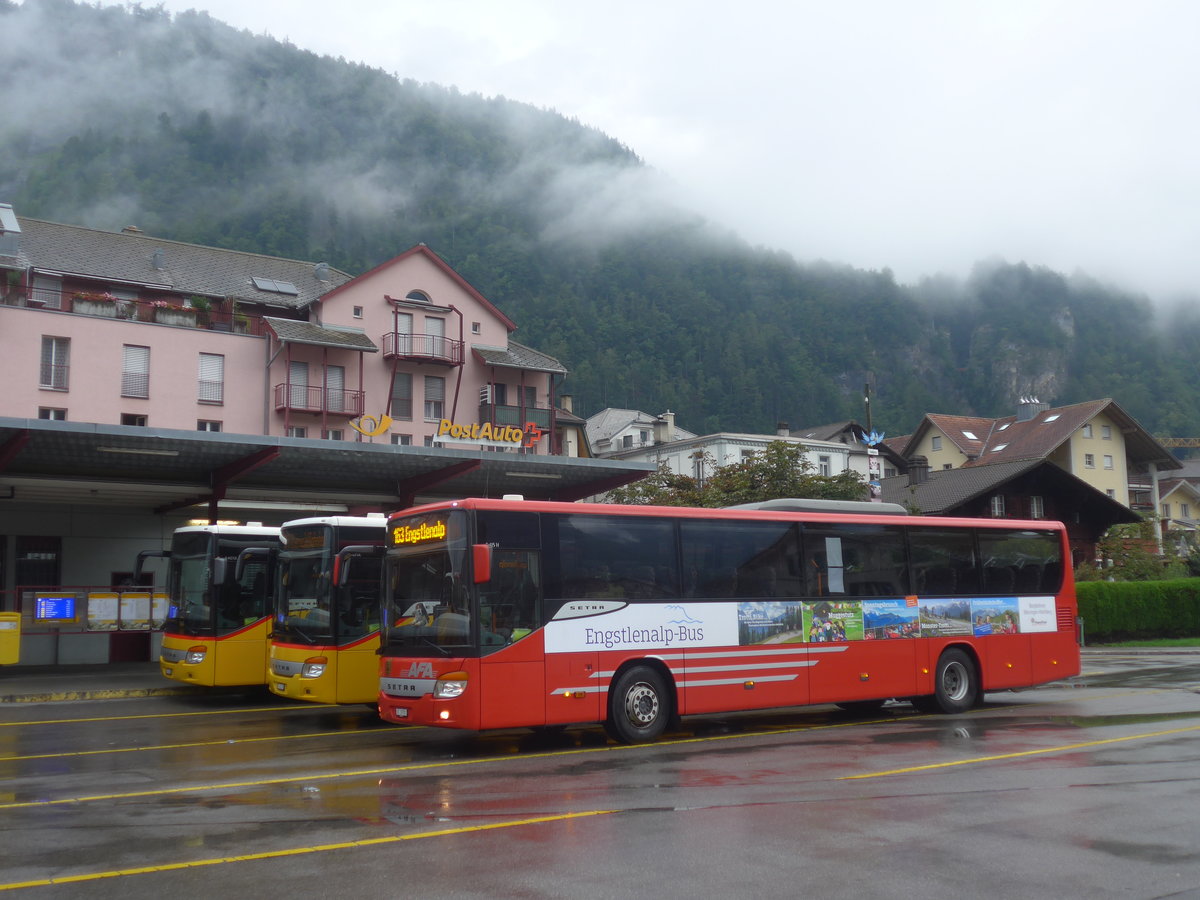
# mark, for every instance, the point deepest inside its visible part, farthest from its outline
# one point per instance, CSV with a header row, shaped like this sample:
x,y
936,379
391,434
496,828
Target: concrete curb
x,y
99,694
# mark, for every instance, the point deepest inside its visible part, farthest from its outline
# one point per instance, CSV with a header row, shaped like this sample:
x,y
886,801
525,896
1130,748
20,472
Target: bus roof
x,y
252,530
690,512
378,520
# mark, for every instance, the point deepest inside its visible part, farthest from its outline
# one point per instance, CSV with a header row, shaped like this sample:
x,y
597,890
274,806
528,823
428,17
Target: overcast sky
x,y
921,136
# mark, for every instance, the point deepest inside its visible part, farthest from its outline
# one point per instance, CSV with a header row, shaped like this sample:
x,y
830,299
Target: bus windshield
x,y
305,569
428,590
201,607
191,611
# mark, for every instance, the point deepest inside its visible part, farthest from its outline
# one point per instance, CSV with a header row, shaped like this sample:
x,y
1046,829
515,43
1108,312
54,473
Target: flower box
x,y
105,308
169,316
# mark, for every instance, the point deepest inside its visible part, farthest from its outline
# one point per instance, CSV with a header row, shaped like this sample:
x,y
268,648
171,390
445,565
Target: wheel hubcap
x,y
641,705
955,681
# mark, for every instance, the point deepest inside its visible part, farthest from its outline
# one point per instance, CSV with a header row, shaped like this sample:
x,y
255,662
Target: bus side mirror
x,y
481,562
220,570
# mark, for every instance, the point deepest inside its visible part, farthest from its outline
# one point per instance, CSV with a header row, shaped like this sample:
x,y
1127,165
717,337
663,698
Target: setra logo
x,y
420,670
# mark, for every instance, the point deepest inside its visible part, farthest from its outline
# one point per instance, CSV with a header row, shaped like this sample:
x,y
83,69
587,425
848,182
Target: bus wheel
x,y
955,684
639,706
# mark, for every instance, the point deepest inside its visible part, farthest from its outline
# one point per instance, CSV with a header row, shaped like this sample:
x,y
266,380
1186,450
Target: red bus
x,y
506,613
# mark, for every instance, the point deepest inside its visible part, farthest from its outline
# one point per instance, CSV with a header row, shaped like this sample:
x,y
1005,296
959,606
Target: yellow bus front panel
x,y
327,674
234,660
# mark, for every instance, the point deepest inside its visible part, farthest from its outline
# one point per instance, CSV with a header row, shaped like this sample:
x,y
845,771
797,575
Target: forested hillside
x,y
198,132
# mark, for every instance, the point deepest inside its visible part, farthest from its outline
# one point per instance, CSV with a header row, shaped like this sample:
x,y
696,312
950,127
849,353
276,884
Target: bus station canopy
x,y
164,471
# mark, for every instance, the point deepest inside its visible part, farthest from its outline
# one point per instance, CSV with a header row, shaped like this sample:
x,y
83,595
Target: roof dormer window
x,y
418,297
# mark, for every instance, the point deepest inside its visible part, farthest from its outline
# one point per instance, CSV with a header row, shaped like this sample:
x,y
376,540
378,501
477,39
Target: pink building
x,y
133,330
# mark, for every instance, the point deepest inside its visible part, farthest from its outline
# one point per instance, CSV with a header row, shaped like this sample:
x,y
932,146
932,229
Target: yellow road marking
x,y
249,740
415,767
214,712
1064,748
298,851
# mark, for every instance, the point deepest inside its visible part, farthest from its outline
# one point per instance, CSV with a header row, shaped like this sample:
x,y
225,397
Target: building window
x,y
297,431
56,356
947,466
997,506
1106,432
402,396
211,386
747,454
358,312
500,394
935,442
1089,460
435,397
333,434
1036,508
54,415
1166,510
1185,511
627,441
208,425
404,440
824,466
475,328
1108,461
136,420
335,388
298,385
47,292
1087,430
530,397
37,560
135,371
1111,493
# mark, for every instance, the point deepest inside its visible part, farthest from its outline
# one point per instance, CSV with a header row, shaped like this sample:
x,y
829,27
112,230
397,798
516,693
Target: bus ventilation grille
x,y
1066,621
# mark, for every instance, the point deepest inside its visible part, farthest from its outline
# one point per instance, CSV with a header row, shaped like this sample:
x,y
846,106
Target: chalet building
x,y
1179,508
150,383
1097,442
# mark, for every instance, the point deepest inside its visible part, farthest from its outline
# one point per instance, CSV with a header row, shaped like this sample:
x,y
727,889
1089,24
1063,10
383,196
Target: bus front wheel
x,y
639,706
956,685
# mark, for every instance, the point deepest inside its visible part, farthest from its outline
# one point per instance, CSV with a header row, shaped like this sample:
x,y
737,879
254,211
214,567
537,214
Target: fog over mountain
x,y
196,131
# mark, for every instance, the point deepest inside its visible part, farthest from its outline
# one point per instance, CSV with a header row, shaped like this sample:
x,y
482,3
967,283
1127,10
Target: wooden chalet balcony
x,y
315,399
430,348
512,415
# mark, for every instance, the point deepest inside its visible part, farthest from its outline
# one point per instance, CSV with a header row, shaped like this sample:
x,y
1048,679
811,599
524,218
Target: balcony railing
x,y
213,319
514,415
432,348
315,399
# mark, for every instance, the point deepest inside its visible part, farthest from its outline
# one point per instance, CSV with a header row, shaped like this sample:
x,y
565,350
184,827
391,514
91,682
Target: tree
x,y
781,470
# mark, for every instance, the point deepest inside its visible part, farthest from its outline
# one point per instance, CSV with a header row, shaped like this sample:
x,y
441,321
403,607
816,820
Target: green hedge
x,y
1139,610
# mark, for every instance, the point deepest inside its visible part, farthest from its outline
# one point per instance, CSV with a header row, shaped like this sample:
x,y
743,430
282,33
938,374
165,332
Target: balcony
x,y
173,312
315,399
427,348
512,415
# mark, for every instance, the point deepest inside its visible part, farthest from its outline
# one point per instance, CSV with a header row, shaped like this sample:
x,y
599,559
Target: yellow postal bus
x,y
326,628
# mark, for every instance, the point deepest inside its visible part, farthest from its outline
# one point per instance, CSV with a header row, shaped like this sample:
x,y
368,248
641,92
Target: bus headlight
x,y
314,668
195,655
450,685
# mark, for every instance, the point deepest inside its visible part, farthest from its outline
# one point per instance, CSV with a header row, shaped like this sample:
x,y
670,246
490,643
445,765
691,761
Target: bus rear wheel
x,y
955,684
639,706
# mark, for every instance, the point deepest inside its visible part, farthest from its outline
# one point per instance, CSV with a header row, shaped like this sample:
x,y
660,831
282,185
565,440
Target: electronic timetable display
x,y
55,608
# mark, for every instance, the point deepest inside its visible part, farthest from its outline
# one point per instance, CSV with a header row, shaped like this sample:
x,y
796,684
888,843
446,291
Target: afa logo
x,y
420,670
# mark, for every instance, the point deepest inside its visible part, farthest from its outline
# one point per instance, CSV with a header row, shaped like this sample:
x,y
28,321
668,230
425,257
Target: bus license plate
x,y
400,712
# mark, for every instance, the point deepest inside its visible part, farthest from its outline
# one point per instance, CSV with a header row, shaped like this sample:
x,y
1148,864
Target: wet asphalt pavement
x,y
1086,788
